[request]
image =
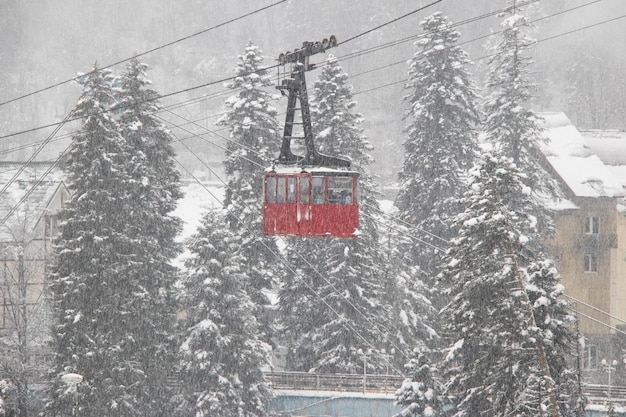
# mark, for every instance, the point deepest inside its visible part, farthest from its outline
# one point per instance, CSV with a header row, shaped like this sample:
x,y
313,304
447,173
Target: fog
x,y
48,43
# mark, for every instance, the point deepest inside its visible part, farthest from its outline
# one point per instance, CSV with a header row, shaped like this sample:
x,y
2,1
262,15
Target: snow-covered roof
x,y
574,161
609,145
26,215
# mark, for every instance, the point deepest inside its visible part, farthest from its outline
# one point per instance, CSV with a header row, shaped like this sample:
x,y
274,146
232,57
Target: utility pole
x,y
539,347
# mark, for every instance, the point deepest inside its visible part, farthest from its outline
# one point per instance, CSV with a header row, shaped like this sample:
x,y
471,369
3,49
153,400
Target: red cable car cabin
x,y
314,194
317,202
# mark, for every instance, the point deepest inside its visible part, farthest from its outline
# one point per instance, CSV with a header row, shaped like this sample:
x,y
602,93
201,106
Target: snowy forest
x,y
451,286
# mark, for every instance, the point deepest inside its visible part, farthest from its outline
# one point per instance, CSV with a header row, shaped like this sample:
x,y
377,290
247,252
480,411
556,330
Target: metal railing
x,y
289,380
601,394
388,384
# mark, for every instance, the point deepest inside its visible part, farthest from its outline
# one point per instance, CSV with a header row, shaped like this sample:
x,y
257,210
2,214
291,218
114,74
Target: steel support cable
x,y
33,187
263,166
33,156
239,18
198,86
577,301
473,39
407,224
437,248
404,80
275,66
453,25
410,236
285,263
386,333
393,43
390,22
149,51
615,329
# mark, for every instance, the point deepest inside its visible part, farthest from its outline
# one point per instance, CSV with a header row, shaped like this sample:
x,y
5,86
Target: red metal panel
x,y
285,214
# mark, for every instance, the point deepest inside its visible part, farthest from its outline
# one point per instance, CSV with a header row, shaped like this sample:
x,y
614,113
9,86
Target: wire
x,y
577,301
389,22
288,266
263,166
33,188
32,157
387,332
344,58
615,329
149,51
198,86
407,224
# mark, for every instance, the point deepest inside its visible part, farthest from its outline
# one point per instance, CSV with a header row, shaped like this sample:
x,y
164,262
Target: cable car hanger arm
x,y
295,89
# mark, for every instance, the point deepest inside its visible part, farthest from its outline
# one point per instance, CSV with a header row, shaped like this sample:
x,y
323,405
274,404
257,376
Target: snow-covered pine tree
x,y
441,143
222,355
440,147
556,327
510,125
94,279
345,273
153,188
494,351
421,392
252,145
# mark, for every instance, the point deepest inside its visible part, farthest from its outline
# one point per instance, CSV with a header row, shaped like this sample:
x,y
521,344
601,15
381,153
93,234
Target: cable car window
x,y
317,190
304,190
291,189
339,190
356,192
270,189
281,189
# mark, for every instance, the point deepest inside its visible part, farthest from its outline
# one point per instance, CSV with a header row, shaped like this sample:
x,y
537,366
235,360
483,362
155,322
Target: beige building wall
x,y
618,278
593,283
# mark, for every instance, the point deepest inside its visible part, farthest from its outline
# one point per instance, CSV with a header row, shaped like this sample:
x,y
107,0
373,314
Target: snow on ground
x,y
198,198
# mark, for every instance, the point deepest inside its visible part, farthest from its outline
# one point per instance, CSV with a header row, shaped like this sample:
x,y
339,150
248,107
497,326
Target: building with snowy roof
x,y
590,245
32,195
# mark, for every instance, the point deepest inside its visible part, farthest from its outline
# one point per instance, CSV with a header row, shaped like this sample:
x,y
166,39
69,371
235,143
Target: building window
x,y
592,225
591,262
590,357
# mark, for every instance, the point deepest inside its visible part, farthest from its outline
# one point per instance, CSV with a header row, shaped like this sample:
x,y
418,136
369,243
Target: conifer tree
x,y
441,138
252,145
509,335
556,328
333,306
89,267
154,187
421,392
440,147
485,318
511,125
222,354
112,279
